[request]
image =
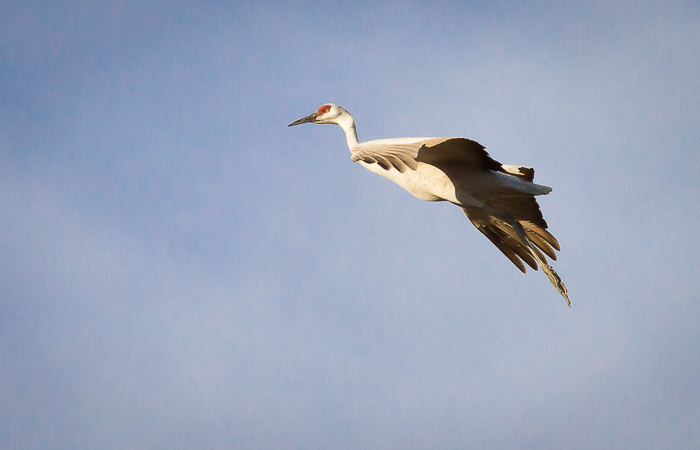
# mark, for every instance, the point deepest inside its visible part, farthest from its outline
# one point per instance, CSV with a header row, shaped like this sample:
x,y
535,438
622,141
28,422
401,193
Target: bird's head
x,y
328,113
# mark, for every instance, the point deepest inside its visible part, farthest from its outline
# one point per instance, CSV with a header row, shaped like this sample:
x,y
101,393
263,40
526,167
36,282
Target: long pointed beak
x,y
309,118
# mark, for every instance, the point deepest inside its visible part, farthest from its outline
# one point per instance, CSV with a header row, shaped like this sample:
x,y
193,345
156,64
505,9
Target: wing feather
x,y
501,235
515,240
541,243
404,153
542,232
400,154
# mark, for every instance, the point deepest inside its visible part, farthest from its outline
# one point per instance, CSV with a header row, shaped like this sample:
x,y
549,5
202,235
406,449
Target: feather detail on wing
x,y
515,240
499,236
525,209
397,153
403,153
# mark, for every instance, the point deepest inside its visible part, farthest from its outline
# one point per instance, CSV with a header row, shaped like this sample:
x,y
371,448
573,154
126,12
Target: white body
x,y
426,182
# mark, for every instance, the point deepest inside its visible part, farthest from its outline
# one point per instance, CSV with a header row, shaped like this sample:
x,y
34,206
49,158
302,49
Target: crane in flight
x,y
499,199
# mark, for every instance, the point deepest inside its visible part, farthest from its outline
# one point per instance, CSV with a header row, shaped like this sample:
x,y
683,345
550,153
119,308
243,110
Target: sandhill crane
x,y
498,199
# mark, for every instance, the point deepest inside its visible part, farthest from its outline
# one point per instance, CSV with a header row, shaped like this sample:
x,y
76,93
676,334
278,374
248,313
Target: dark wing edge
x,y
521,242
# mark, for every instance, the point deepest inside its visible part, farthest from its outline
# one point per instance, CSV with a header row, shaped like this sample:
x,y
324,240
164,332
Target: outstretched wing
x,y
403,153
521,240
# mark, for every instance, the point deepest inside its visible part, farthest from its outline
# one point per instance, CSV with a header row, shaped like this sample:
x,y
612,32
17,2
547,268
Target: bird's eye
x,y
324,109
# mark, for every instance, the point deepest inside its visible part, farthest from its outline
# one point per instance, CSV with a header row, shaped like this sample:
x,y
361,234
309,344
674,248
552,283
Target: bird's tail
x,y
520,241
520,179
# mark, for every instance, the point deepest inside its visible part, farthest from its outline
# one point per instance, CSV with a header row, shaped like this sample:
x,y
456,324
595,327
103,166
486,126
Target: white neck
x,y
347,123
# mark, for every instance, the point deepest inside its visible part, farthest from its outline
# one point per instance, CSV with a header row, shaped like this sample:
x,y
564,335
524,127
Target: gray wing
x,y
405,153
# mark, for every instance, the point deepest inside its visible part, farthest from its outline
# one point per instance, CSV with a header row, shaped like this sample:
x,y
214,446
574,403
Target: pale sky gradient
x,y
179,269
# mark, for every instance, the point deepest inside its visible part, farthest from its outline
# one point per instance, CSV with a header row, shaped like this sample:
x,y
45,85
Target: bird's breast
x,y
427,182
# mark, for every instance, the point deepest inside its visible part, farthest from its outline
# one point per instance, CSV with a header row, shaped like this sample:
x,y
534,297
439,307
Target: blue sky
x,y
178,269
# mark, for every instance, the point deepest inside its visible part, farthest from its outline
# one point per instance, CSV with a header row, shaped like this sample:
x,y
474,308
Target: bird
x,y
498,199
